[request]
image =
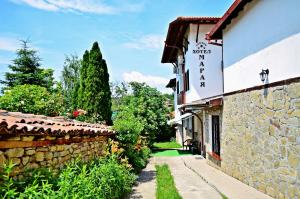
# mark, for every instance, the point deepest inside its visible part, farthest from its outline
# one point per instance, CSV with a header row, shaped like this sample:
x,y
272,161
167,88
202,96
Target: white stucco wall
x,y
212,65
266,34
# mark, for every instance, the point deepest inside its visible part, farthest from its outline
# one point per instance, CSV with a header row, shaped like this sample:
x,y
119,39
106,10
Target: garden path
x,y
188,183
146,184
194,179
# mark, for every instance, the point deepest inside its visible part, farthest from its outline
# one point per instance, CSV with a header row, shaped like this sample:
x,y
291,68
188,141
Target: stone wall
x,y
28,152
260,140
212,161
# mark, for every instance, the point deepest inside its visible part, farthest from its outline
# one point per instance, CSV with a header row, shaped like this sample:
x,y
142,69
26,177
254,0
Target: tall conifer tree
x,y
26,69
97,91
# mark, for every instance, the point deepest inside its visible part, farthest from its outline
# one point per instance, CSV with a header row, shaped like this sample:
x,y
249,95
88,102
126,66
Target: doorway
x,y
216,134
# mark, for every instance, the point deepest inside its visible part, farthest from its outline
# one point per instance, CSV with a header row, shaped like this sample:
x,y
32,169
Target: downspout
x,y
182,135
197,33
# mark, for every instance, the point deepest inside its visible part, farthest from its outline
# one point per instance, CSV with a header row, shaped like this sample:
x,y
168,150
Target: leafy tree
x,y
70,81
97,91
26,69
32,99
149,108
83,78
119,93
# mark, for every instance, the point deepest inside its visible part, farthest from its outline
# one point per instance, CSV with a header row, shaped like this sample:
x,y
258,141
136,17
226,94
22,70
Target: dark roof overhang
x,y
175,35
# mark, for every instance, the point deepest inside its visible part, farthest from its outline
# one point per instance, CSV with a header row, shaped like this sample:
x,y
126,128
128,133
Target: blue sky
x,y
130,32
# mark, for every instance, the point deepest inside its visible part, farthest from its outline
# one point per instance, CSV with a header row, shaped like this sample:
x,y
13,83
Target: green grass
x,y
166,145
165,188
159,153
223,196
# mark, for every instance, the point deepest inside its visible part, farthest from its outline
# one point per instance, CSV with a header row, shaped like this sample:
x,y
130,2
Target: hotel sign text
x,y
201,51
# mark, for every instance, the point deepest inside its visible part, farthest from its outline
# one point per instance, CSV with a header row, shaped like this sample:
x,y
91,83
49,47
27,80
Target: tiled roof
x,y
29,124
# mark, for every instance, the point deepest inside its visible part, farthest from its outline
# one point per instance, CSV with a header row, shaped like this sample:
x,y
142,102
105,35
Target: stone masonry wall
x,y
28,152
260,140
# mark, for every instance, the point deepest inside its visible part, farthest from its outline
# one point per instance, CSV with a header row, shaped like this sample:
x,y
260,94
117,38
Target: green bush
x,y
138,158
128,129
103,178
31,99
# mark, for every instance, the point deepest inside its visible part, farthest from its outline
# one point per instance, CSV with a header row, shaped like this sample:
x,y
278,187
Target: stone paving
x,y
227,185
194,179
187,182
146,184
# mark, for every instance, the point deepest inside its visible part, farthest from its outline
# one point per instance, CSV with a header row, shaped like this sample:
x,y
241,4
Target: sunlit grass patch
x,y
165,187
166,145
170,153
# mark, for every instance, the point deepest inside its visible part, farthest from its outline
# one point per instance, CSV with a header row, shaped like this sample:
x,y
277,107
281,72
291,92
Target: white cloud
x,y
40,4
9,44
153,81
151,41
83,6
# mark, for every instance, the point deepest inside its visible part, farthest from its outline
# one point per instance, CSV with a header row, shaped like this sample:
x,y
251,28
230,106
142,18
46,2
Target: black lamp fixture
x,y
264,74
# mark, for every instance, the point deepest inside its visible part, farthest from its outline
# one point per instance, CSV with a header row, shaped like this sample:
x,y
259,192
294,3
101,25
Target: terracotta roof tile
x,y
29,124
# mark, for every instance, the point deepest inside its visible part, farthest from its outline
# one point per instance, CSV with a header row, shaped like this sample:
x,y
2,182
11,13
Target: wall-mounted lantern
x,y
264,75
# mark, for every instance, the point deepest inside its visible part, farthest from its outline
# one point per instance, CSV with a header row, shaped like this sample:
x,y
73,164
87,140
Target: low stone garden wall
x,y
260,140
28,152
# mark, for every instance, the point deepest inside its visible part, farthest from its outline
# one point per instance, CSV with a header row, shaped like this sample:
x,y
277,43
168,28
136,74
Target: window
x,y
215,134
187,80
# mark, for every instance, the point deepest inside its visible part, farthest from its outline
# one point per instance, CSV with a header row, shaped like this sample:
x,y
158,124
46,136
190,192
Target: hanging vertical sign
x,y
201,52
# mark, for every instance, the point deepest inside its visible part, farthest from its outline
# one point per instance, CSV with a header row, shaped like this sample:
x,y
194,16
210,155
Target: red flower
x,y
75,113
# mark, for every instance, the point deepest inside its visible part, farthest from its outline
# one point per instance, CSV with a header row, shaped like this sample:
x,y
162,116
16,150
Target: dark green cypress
x,y
98,94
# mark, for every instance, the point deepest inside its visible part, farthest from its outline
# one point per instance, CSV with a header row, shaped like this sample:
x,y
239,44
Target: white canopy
x,y
178,120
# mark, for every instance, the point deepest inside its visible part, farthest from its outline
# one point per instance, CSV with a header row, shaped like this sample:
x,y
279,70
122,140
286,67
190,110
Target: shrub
x,y
31,99
100,178
135,148
128,127
138,158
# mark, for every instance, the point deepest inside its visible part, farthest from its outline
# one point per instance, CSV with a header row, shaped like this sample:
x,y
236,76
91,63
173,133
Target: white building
x,y
198,75
247,117
264,35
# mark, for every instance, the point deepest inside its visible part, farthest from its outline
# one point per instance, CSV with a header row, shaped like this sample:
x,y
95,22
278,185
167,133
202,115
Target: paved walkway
x,y
188,184
146,184
194,179
229,186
